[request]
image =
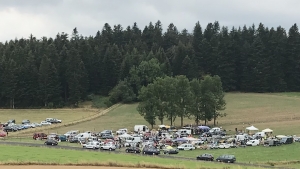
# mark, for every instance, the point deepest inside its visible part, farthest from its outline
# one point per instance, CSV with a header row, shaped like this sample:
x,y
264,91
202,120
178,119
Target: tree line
x,y
172,97
118,62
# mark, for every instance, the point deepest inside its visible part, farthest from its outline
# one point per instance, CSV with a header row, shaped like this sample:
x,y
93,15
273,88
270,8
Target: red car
x,y
41,136
2,134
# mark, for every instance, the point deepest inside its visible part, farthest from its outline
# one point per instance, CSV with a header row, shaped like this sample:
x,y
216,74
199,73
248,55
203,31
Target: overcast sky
x,y
19,18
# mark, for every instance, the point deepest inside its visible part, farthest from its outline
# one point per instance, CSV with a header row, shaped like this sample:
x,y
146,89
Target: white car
x,y
92,145
121,131
186,147
37,124
108,146
27,126
224,145
45,123
252,143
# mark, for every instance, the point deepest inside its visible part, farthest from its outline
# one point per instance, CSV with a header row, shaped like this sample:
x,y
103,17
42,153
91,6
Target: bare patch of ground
x,y
59,167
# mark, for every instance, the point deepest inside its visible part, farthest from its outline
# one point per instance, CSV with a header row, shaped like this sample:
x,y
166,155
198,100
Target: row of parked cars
x,y
12,126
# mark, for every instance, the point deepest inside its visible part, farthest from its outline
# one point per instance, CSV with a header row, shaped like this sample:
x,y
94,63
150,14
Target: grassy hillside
x,y
276,111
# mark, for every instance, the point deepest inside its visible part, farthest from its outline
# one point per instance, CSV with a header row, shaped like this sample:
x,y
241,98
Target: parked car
x,y
51,142
224,145
26,121
45,123
53,136
133,150
272,142
57,120
72,133
40,136
74,140
151,150
171,150
205,157
107,136
10,121
27,125
10,129
92,145
226,158
108,146
37,124
105,132
286,140
2,134
121,131
252,143
62,138
186,147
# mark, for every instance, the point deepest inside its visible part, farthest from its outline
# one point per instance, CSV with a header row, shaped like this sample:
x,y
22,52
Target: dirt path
x,y
59,167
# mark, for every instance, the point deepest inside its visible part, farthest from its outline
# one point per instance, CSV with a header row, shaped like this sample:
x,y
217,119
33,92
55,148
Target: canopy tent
x,y
126,136
280,136
203,127
267,130
252,128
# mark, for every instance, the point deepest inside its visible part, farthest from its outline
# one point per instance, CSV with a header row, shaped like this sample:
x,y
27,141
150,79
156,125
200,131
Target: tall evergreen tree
x,y
49,86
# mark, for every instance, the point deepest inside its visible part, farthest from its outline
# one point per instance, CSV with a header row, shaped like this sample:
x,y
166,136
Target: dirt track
x,y
59,167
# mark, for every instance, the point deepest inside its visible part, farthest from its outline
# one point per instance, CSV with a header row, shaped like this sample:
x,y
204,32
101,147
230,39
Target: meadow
x,y
38,115
40,155
279,111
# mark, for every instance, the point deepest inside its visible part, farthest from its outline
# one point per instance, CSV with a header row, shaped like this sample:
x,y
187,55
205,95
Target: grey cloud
x,y
89,16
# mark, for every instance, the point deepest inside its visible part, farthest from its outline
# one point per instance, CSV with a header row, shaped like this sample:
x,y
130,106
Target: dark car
x,y
107,136
25,121
51,142
62,138
205,157
151,151
226,158
286,140
133,150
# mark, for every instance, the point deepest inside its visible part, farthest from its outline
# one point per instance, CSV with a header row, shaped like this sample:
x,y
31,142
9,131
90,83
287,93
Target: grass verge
x,y
18,155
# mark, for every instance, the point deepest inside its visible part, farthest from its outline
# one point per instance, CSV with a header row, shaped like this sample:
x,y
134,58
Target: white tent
x,y
267,130
252,128
125,136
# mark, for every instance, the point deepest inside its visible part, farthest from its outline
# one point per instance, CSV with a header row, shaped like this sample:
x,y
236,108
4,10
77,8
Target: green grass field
x,y
279,111
38,115
9,154
254,155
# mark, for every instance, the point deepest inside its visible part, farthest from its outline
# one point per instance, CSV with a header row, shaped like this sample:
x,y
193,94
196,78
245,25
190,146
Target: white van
x,y
133,141
261,134
83,136
252,143
141,128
